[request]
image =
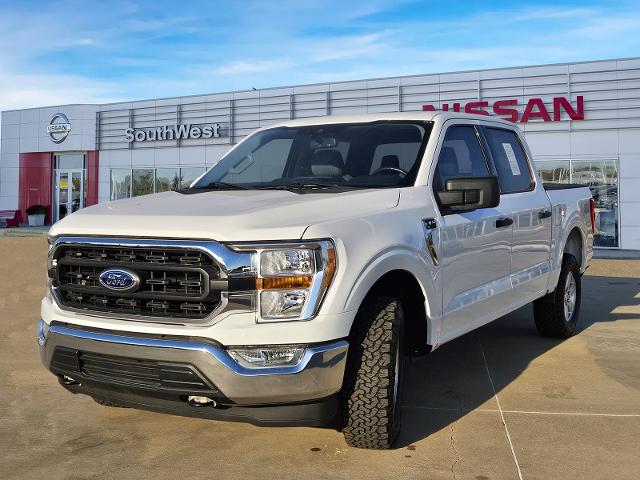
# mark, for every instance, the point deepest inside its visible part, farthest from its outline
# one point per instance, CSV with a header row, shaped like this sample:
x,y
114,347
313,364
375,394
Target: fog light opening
x,y
263,357
197,401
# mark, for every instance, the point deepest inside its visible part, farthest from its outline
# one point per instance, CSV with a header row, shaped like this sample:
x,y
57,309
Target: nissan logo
x,y
59,128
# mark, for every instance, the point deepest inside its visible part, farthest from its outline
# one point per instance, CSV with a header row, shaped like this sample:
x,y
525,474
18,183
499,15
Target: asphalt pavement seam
x,y
524,412
573,414
504,422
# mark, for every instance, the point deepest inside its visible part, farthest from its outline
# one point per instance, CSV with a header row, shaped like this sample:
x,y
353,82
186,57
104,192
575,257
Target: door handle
x,y
504,222
544,214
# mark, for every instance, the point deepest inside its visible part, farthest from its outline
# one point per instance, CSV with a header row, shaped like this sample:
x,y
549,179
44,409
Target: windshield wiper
x,y
301,186
221,186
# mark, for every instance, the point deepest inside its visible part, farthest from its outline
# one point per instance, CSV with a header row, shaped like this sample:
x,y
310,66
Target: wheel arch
x,y
403,285
575,244
402,275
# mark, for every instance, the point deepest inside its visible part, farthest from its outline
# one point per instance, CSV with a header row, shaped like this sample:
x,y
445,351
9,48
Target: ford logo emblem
x,y
119,279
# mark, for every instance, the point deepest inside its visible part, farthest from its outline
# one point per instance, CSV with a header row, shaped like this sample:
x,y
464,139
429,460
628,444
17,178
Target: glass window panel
x,y
395,155
601,176
63,195
120,183
189,174
70,161
167,179
554,171
342,154
510,161
142,181
76,191
265,164
460,156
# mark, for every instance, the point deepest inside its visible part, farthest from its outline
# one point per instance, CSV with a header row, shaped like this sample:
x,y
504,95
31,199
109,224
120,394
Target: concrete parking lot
x,y
499,403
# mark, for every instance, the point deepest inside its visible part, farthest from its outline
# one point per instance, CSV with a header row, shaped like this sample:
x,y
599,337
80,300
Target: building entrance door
x,y
69,192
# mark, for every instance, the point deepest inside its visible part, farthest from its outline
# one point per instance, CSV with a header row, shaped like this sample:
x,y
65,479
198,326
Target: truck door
x,y
530,209
476,245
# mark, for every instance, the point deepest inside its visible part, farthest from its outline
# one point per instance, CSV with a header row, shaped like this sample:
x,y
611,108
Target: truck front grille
x,y
174,282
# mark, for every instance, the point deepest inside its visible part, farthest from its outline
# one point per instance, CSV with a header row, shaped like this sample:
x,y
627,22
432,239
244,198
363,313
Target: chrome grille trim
x,y
210,268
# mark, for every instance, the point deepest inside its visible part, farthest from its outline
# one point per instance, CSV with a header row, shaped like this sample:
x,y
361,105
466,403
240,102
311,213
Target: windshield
x,y
342,156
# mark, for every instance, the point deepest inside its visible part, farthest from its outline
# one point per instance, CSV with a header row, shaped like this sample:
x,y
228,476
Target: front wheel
x,y
556,314
372,391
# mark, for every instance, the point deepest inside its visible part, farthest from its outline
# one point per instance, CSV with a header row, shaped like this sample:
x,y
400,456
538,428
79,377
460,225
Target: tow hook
x,y
68,381
196,401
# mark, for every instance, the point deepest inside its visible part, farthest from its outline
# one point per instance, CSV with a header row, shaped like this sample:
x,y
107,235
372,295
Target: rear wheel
x,y
373,379
556,314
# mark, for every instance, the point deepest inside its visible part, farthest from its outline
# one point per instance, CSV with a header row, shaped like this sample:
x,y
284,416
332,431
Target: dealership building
x,y
582,121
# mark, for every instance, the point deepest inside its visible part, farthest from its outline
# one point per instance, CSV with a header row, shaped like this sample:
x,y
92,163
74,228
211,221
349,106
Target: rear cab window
x,y
512,166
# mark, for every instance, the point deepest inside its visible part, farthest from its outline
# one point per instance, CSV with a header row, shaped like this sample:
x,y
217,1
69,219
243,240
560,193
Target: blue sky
x,y
58,51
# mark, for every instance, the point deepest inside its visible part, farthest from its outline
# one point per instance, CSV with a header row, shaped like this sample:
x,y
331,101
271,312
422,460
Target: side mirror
x,y
464,194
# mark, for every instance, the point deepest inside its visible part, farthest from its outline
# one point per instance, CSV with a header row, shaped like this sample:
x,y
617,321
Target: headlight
x,y
292,278
47,288
282,303
51,266
294,262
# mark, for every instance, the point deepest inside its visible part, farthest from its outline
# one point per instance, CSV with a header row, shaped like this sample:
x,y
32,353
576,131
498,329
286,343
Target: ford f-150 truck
x,y
288,284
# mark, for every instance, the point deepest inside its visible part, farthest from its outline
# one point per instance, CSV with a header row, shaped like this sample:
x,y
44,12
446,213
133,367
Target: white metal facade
x,y
610,130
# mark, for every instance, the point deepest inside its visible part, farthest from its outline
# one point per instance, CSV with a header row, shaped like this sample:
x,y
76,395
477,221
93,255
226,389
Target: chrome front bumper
x,y
319,374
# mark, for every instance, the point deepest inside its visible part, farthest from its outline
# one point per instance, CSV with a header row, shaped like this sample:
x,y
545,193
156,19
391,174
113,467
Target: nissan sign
x,y
173,132
59,128
535,109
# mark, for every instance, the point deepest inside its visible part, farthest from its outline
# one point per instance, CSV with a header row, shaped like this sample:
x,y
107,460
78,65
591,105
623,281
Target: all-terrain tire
x,y
372,388
549,311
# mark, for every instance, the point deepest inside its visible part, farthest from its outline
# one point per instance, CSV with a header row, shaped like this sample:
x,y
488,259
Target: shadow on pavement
x,y
445,385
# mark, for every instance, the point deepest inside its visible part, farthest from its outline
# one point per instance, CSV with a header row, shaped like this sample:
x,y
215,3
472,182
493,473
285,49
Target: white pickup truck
x,y
288,284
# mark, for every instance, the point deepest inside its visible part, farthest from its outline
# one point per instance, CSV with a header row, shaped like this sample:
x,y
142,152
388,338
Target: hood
x,y
236,215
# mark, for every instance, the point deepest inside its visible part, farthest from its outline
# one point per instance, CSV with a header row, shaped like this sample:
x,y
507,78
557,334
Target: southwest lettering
x,y
172,132
182,131
207,132
168,133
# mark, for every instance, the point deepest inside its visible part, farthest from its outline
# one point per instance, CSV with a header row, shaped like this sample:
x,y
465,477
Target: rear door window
x,y
510,160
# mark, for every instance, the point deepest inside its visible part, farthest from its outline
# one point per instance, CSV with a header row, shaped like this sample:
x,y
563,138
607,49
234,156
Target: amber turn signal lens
x,y
330,269
280,283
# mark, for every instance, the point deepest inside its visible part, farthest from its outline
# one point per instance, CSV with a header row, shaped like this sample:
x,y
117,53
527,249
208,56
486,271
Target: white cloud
x,y
548,13
243,67
348,47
